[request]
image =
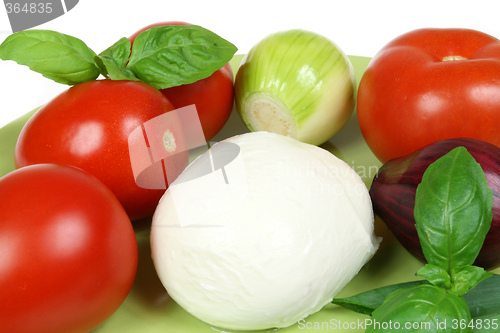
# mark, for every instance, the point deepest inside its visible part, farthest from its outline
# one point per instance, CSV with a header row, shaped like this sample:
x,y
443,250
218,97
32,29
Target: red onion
x,y
393,193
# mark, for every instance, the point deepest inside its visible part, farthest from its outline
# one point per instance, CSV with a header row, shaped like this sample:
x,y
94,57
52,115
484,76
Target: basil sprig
x,y
162,56
453,213
483,301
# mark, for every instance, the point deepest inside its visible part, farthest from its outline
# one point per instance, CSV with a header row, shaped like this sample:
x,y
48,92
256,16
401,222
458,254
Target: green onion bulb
x,y
295,83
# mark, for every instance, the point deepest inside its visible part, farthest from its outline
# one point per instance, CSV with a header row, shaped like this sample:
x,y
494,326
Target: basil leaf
x,y
436,275
466,278
59,57
172,55
483,300
366,302
423,308
119,52
453,210
113,60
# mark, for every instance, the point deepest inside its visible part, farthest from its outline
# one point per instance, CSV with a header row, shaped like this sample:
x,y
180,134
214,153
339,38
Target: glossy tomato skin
x,y
410,96
212,96
69,253
88,126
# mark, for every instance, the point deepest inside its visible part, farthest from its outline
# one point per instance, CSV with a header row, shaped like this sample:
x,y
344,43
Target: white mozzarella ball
x,y
266,240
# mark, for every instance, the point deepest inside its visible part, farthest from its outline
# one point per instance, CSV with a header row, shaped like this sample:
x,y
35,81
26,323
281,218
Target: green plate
x,y
148,307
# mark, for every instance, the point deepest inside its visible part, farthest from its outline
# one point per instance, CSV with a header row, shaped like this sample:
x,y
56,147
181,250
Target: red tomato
x,y
69,253
428,85
212,96
88,126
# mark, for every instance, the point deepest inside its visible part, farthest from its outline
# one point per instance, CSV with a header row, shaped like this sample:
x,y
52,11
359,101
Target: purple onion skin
x,y
393,194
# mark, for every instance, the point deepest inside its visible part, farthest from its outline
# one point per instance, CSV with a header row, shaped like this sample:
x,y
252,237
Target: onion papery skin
x,y
393,193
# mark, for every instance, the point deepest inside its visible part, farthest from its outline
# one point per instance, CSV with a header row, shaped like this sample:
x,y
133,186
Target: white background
x,y
358,27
